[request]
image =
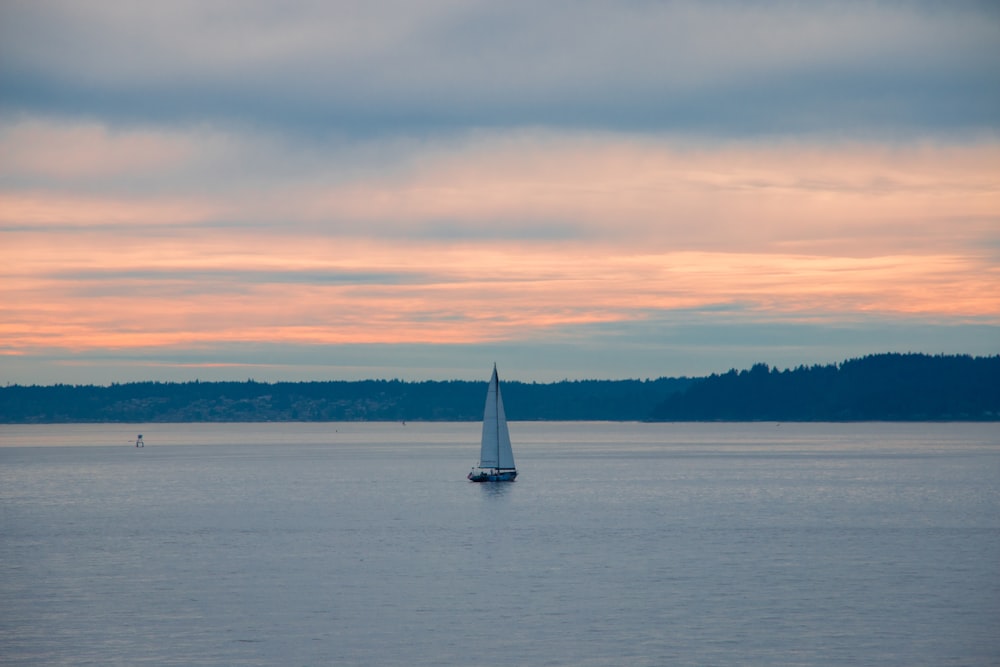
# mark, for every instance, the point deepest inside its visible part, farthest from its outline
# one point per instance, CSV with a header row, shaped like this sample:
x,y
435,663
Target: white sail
x,y
496,451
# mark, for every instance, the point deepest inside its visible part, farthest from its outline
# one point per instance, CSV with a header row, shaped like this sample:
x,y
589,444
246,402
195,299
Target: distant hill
x,y
884,387
888,387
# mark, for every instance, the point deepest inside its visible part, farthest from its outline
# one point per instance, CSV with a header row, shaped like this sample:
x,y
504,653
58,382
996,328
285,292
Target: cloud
x,y
466,295
544,186
734,68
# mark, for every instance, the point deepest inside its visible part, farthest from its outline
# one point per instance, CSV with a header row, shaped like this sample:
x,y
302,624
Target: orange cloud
x,y
470,296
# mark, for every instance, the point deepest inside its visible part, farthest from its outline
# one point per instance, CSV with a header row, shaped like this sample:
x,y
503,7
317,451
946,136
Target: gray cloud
x,y
729,67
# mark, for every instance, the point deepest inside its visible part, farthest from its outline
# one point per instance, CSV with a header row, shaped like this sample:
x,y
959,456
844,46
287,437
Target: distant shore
x,y
882,387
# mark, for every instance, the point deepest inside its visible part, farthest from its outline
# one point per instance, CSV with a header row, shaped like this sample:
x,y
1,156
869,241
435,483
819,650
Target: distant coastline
x,y
881,387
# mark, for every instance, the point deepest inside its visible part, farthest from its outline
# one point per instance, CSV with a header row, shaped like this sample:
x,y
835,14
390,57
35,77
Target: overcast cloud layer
x,y
337,190
726,68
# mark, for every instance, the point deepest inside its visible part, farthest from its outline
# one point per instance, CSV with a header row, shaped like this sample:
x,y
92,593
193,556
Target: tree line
x,y
884,387
365,400
892,387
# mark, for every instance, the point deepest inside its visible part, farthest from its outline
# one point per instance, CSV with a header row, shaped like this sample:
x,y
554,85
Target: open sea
x,y
619,544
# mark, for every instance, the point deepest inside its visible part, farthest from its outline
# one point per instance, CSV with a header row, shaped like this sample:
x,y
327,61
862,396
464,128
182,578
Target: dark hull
x,y
493,476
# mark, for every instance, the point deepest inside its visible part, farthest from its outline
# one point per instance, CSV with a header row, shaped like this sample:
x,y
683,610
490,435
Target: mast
x,y
496,401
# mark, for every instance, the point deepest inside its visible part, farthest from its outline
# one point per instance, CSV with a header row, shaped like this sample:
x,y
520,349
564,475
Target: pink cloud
x,y
445,302
241,250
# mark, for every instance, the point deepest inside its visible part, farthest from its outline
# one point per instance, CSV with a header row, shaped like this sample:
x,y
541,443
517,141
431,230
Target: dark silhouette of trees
x,y
892,387
366,400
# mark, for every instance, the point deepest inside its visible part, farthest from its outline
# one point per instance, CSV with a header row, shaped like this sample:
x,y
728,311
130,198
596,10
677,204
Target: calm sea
x,y
619,544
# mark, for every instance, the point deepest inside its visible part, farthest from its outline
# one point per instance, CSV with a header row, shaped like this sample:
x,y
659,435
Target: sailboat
x,y
496,458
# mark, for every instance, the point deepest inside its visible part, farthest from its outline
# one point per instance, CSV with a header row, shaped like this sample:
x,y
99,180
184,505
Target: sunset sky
x,y
414,190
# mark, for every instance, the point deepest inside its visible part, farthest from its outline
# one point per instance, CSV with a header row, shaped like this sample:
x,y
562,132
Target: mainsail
x,y
496,451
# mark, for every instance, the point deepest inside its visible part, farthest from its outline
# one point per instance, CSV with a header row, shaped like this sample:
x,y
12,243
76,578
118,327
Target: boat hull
x,y
492,475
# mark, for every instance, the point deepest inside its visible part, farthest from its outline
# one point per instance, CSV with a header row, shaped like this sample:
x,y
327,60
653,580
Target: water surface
x,y
619,544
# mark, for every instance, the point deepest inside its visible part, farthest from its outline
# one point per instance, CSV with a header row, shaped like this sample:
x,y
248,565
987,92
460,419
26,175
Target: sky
x,y
320,190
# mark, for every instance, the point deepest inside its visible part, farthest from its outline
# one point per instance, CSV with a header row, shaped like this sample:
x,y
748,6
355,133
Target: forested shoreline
x,y
883,387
